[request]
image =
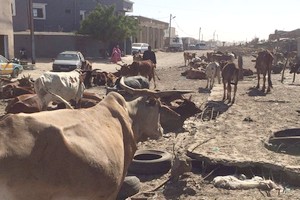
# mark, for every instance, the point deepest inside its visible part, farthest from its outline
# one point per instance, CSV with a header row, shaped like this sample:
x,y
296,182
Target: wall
x,y
151,32
6,30
48,44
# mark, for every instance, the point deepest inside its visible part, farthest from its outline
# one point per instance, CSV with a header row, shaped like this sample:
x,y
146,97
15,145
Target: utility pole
x,y
170,27
30,14
214,35
199,34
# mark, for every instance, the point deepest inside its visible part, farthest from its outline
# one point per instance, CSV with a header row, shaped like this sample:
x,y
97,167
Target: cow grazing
x,y
212,71
59,87
188,56
76,154
230,75
263,65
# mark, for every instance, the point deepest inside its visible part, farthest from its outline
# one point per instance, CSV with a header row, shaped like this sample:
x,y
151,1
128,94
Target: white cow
x,y
59,87
212,70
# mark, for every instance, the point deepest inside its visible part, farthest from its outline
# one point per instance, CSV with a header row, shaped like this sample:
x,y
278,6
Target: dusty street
x,y
235,138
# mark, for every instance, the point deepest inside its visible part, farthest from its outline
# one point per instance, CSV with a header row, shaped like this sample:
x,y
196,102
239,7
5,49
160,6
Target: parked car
x,y
191,47
139,48
68,61
201,46
10,68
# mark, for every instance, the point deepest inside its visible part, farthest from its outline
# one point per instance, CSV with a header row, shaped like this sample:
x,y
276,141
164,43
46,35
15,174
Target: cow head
x,y
264,57
145,111
26,81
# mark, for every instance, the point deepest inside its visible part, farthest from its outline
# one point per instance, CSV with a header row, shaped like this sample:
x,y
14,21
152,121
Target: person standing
x,y
149,55
116,54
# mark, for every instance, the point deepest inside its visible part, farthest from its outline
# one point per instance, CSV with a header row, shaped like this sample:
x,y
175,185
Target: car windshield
x,y
67,57
3,59
136,45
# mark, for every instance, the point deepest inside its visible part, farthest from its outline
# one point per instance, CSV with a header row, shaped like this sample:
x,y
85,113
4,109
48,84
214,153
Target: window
x,y
82,14
39,10
13,8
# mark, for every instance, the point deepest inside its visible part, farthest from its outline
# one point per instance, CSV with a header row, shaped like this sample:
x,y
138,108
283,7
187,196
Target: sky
x,y
223,20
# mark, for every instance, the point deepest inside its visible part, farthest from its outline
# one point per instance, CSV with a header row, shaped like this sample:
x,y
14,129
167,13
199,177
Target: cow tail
x,y
63,100
235,77
156,75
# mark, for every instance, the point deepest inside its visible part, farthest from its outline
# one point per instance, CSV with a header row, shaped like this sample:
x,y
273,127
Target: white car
x,y
139,48
68,61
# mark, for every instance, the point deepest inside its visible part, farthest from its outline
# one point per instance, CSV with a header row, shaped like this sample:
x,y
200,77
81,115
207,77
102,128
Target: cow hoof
x,y
150,162
130,187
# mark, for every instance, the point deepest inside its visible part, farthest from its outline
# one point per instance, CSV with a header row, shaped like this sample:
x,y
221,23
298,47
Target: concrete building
x,y
61,15
6,30
151,31
58,20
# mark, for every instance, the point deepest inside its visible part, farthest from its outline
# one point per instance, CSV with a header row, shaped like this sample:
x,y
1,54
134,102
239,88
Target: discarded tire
x,y
130,187
285,141
149,162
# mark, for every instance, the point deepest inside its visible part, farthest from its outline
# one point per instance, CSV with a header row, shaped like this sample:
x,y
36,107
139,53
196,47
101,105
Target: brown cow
x,y
76,154
188,56
194,73
11,89
26,103
144,68
263,65
30,103
230,75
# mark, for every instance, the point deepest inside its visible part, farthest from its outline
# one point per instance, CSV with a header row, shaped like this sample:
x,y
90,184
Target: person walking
x,y
149,55
116,54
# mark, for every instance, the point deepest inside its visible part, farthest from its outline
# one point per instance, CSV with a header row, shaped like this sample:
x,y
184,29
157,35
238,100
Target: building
x,y
55,25
61,15
6,31
151,31
58,20
278,34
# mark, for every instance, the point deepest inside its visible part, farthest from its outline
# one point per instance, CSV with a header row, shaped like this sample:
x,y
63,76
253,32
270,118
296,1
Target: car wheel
x,y
149,162
15,73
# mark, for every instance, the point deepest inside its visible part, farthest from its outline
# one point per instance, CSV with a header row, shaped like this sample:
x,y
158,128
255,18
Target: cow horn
x,y
148,92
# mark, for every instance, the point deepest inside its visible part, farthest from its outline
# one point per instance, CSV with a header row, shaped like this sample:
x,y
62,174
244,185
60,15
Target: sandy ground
x,y
236,136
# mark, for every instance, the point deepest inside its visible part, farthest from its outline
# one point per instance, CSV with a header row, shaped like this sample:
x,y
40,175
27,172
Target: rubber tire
x,y
149,162
15,73
130,187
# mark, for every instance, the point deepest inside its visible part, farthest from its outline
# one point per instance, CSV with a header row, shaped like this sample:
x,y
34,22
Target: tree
x,y
104,25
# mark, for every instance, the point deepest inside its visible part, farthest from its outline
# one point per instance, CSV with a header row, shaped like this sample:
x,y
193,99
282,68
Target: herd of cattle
x,y
52,153
85,153
219,64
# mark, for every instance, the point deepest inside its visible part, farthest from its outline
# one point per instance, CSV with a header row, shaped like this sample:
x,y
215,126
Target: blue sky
x,y
228,20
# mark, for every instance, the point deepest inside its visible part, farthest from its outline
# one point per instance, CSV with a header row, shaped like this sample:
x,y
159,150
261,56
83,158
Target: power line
x,y
182,30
